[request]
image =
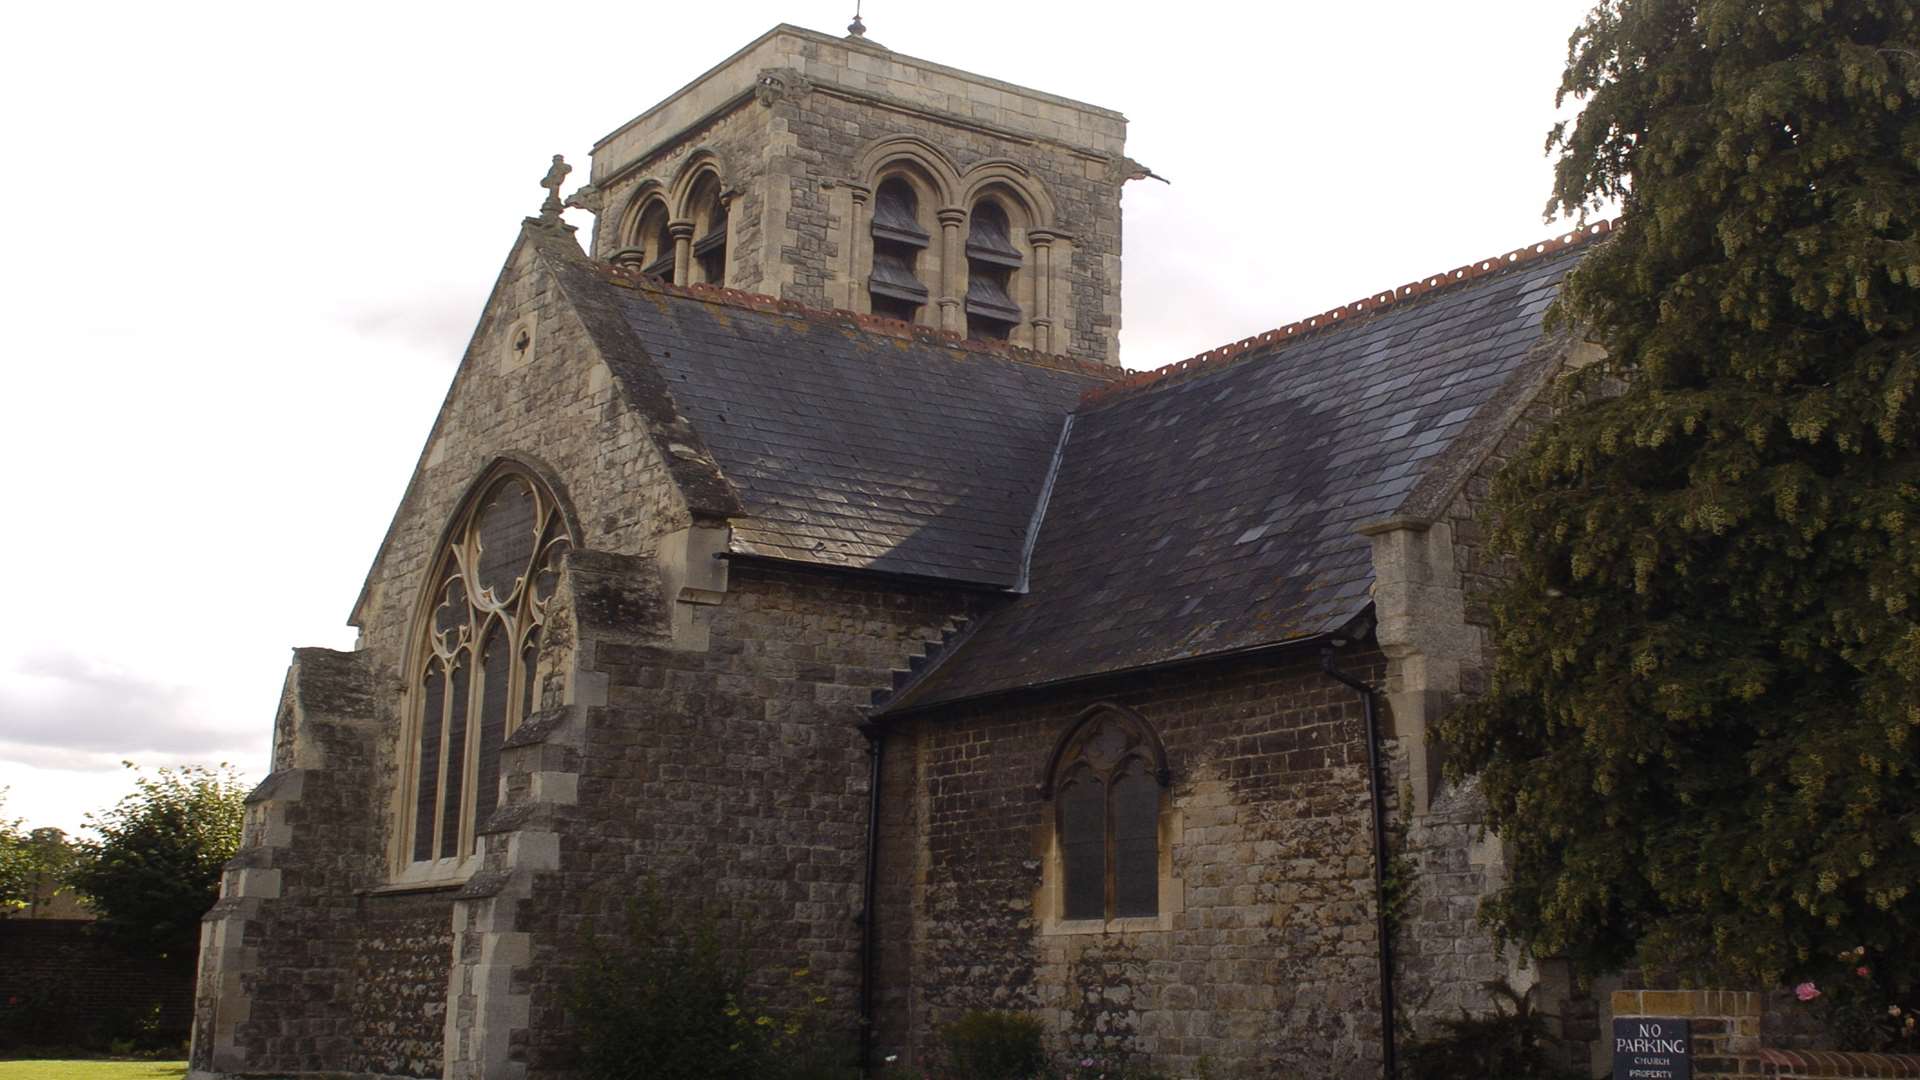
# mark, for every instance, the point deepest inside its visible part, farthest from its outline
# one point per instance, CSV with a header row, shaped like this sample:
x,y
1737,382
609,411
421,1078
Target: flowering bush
x,y
1862,1006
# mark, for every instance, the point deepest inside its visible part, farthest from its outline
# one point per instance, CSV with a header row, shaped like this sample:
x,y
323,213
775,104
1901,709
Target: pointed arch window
x,y
1106,777
476,667
898,241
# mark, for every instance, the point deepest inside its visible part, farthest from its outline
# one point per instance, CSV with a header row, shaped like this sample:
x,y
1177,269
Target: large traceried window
x,y
474,673
1106,778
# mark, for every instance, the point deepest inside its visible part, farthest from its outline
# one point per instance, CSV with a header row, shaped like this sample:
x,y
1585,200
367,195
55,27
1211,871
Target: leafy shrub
x,y
991,1045
1512,1045
155,868
672,1002
1865,1004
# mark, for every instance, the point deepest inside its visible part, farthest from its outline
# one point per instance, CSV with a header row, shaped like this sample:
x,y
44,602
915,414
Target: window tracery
x,y
475,670
1105,778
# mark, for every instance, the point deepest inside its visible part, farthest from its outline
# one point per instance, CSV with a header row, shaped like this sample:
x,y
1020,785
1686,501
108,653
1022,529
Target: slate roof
x,y
856,443
1215,511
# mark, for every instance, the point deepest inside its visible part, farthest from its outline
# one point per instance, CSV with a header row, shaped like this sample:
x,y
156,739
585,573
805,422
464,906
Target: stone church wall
x,y
733,778
312,961
738,142
831,132
399,1002
1267,964
1446,957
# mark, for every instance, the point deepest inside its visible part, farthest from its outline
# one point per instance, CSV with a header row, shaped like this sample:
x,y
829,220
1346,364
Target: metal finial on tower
x,y
856,28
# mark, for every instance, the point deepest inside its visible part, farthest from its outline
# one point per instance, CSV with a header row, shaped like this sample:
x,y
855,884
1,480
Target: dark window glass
x,y
506,538
496,674
1083,845
529,665
456,760
548,576
451,615
429,774
1136,843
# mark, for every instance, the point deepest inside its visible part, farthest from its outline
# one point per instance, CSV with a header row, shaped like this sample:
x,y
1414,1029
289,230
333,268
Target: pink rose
x,y
1806,991
1863,972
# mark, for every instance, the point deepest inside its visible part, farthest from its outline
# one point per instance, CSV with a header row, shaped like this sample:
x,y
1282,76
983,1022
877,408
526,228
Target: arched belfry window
x,y
992,261
707,208
474,672
648,242
898,242
1106,778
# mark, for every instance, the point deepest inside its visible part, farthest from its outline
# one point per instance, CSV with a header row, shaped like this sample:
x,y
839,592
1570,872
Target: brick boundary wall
x,y
1729,1035
97,988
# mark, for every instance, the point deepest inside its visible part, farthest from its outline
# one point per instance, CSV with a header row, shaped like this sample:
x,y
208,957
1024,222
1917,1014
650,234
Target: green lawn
x,y
92,1070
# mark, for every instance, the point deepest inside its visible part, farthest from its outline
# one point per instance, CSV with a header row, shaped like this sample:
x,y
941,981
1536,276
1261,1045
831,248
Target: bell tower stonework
x,y
837,173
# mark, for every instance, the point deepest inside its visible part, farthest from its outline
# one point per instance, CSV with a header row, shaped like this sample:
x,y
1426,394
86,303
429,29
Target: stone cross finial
x,y
556,176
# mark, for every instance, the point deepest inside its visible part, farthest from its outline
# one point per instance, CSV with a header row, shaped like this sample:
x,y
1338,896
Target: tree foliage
x,y
17,872
1700,745
154,868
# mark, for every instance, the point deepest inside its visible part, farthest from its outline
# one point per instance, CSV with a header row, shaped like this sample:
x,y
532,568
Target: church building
x,y
796,542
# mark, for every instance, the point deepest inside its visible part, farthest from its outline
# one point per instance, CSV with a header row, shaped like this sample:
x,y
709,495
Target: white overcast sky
x,y
247,243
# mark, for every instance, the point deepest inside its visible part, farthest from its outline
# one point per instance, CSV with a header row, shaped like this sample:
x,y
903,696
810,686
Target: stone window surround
x,y
946,195
552,511
685,201
1050,898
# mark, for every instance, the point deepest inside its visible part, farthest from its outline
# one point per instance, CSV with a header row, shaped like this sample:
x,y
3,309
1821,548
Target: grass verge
x,y
92,1070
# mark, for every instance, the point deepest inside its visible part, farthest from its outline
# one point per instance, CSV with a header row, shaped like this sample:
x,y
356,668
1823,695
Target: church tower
x,y
837,173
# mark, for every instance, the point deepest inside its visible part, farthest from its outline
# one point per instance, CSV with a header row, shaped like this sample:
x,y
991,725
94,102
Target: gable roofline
x,y
1346,313
413,482
707,492
873,325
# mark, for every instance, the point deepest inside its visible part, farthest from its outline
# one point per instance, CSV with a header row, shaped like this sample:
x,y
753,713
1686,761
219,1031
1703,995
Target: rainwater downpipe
x,y
876,751
1388,1059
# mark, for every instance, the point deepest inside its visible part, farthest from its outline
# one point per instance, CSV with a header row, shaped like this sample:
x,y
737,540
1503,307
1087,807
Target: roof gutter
x,y
891,710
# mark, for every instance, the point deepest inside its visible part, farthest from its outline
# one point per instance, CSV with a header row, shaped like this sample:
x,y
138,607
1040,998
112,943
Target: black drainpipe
x,y
876,750
1388,1057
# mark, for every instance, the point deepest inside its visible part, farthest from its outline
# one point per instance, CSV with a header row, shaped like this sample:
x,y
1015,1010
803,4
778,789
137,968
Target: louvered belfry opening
x,y
709,213
652,242
898,240
992,260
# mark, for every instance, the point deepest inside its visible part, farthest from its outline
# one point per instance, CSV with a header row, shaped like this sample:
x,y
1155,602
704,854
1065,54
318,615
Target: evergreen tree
x,y
1702,745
